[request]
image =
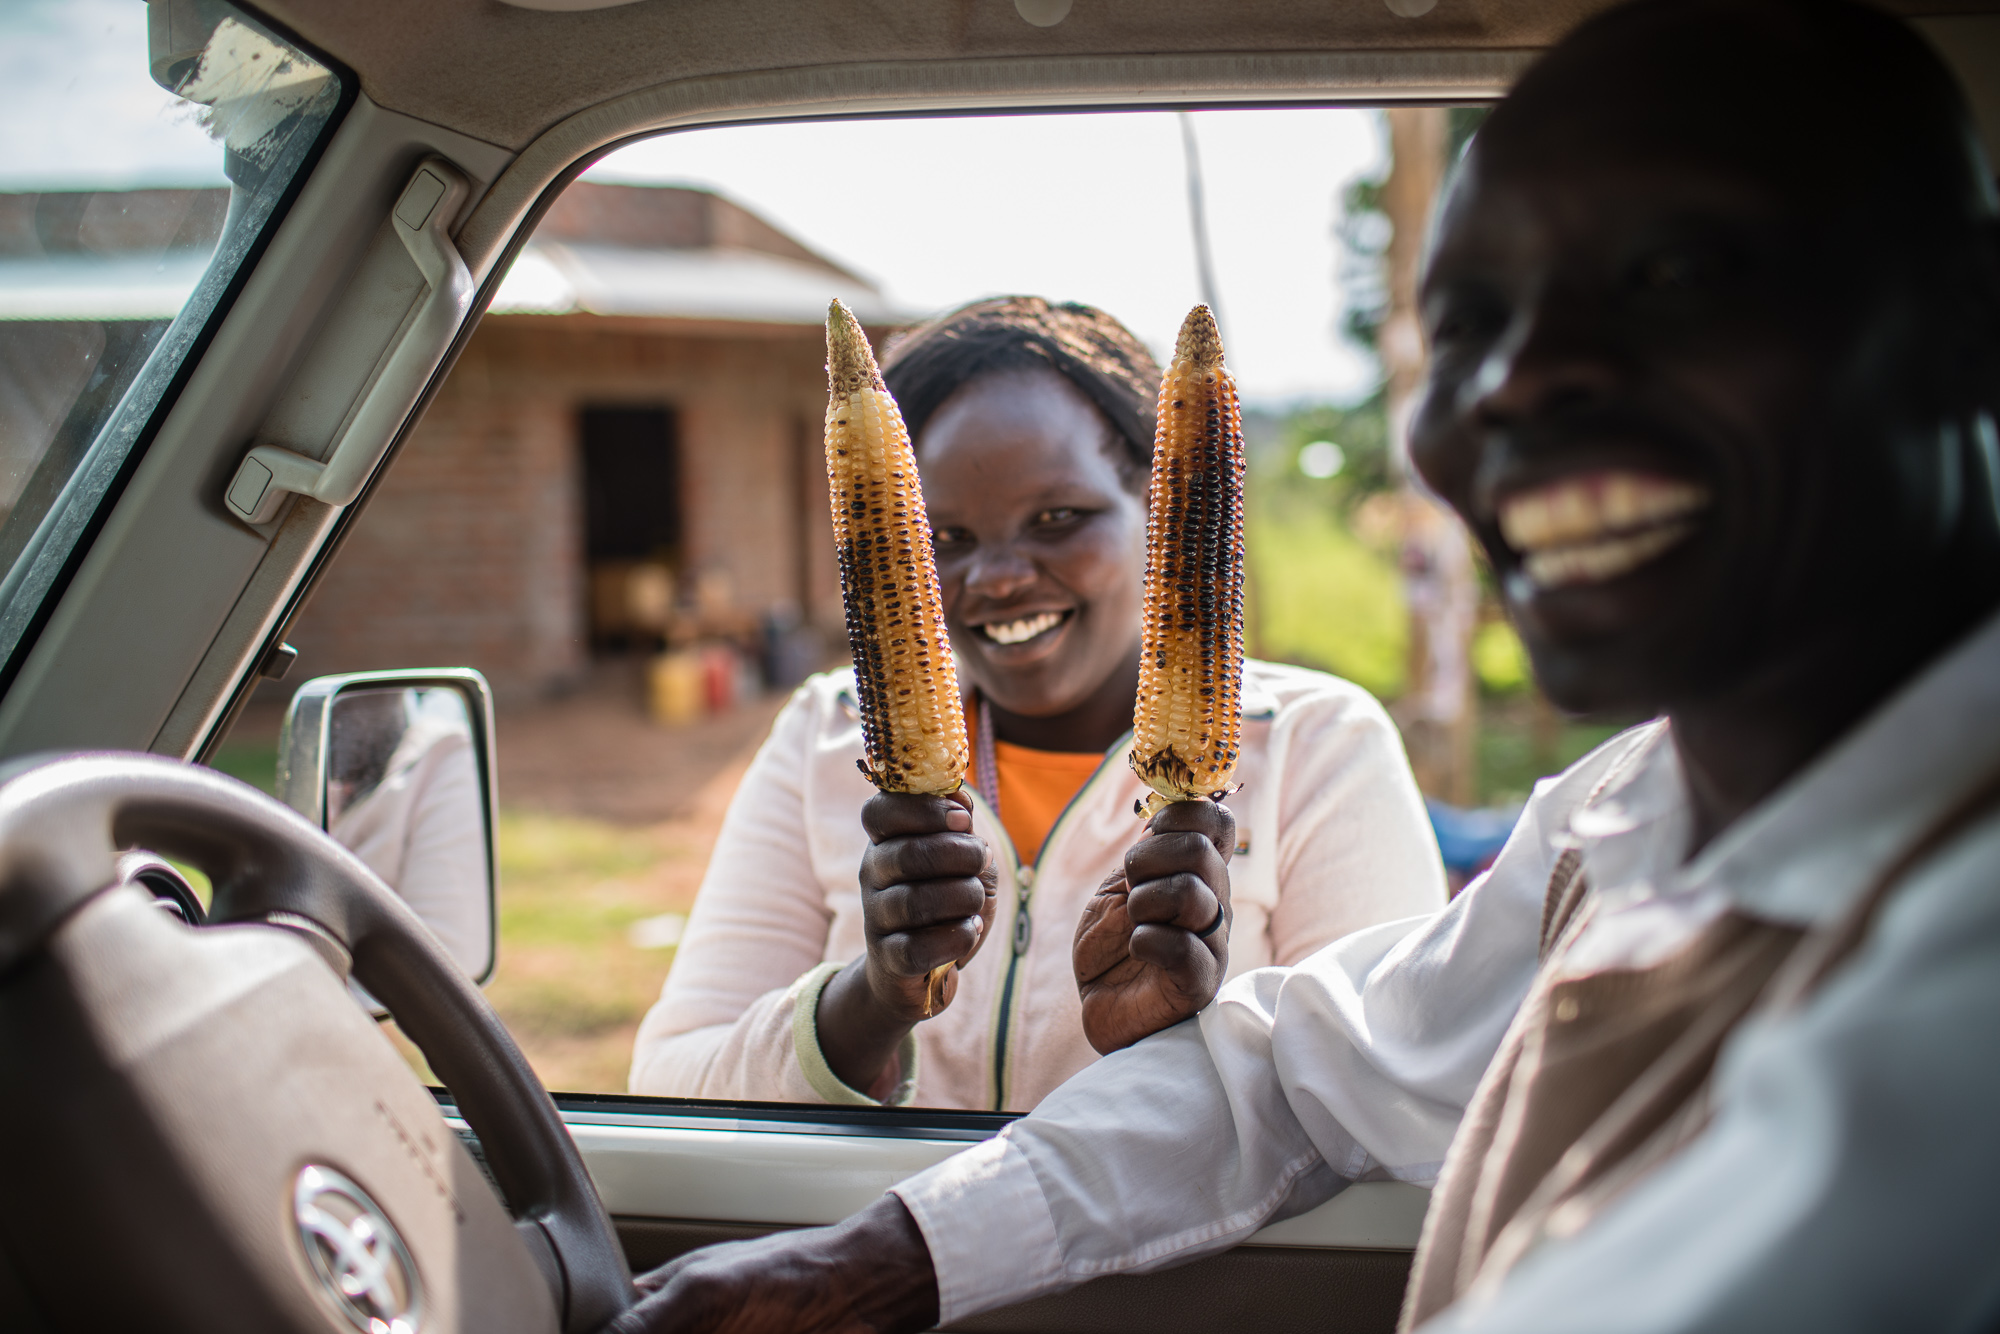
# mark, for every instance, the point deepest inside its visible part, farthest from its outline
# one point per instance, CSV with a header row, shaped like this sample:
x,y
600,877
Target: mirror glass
x,y
404,794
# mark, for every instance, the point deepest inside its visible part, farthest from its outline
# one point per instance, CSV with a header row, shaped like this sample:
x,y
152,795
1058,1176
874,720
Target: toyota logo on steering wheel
x,y
361,1263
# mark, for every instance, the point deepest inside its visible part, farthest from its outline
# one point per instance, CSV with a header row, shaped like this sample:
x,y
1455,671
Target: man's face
x,y
1672,415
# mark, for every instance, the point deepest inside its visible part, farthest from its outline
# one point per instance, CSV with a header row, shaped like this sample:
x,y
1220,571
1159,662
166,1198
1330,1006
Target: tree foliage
x,y
1364,231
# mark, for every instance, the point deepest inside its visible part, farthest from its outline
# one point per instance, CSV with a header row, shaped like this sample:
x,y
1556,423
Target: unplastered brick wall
x,y
471,551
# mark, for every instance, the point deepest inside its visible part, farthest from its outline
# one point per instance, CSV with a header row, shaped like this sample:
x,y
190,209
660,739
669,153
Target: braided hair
x,y
1094,352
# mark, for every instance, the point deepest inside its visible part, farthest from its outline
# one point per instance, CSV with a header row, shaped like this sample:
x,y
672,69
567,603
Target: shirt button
x,y
1567,1009
1024,876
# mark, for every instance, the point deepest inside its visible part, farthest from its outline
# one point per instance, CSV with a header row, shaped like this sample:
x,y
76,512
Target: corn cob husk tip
x,y
934,986
1200,341
850,362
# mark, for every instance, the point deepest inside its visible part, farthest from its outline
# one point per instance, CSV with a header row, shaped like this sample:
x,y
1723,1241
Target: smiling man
x,y
1713,307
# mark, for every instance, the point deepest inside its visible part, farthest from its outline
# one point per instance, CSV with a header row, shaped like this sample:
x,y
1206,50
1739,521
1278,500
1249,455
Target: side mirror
x,y
399,768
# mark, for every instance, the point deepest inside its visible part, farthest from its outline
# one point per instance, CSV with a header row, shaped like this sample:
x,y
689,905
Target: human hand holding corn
x,y
928,894
1153,943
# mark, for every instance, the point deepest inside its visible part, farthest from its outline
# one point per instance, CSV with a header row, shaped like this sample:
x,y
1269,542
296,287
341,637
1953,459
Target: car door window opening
x,y
656,566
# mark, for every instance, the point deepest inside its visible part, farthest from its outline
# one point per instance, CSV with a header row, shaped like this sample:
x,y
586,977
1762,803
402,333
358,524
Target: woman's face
x,y
1040,547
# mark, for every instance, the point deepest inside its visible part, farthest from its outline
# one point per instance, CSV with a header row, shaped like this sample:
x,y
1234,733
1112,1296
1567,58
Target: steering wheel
x,y
206,1131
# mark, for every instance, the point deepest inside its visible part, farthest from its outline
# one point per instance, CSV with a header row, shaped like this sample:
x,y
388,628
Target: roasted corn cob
x,y
1187,726
912,721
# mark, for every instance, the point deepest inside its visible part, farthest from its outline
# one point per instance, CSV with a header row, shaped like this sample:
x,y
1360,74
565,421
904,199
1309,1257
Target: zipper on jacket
x,y
1024,927
1011,868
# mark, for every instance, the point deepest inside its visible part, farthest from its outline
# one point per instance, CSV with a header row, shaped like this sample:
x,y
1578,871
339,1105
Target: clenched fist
x,y
1154,941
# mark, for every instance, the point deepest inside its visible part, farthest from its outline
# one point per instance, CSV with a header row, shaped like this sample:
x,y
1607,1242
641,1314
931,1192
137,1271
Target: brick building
x,y
626,454
627,451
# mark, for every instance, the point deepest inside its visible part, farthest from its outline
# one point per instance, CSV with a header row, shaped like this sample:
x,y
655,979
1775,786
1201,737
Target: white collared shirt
x,y
1850,1178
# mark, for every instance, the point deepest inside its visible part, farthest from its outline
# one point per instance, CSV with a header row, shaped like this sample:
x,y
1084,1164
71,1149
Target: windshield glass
x,y
144,149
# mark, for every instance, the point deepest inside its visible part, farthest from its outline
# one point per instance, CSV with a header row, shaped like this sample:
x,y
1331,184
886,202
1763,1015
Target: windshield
x,y
144,150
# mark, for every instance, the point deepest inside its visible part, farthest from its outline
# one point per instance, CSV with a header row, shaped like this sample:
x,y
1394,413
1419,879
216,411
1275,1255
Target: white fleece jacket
x,y
1331,835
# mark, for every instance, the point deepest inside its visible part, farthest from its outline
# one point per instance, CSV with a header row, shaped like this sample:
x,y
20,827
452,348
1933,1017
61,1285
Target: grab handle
x,y
427,205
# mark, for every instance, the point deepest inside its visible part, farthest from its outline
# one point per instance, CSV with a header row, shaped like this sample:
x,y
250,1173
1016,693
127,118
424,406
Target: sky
x,y
938,211
1084,207
78,109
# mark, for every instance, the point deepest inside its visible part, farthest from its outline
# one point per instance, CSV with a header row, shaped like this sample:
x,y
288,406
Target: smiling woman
x,y
1034,427
1035,430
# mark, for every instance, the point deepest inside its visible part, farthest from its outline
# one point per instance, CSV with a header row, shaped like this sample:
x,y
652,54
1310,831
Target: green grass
x,y
1499,660
1512,756
255,762
540,849
570,985
563,878
1319,598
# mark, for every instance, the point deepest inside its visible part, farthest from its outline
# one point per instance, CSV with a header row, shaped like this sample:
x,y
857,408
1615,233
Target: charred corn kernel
x,y
1187,727
912,721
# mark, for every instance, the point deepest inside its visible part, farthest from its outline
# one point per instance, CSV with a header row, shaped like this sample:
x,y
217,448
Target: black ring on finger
x,y
1213,926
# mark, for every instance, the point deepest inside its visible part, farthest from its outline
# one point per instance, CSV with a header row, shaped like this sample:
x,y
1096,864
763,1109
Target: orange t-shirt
x,y
1035,785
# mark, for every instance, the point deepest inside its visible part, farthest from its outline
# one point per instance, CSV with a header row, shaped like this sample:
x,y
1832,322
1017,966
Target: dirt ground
x,y
595,754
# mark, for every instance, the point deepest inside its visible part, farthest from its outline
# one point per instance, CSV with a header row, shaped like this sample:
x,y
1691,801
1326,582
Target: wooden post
x,y
1439,711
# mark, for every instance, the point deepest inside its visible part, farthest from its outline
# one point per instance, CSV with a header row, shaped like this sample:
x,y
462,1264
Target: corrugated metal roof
x,y
710,285
738,286
110,255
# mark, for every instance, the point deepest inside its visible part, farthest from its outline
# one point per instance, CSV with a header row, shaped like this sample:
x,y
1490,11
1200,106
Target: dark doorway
x,y
631,522
631,484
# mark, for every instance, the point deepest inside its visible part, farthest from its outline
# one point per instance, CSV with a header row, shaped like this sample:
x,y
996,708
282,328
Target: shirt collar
x,y
1634,830
1805,853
